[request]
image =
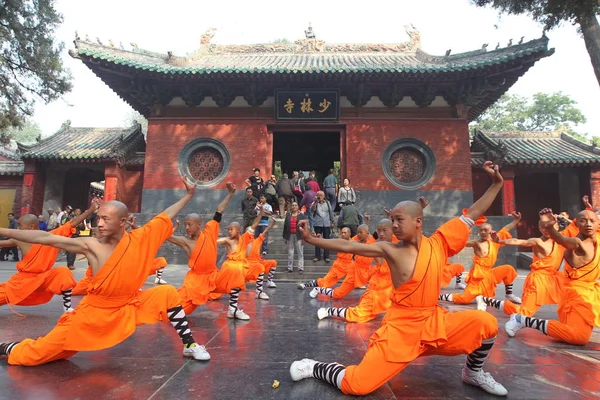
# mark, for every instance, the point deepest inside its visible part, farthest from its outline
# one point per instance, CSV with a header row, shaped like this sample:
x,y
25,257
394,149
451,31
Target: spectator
x,y
564,220
350,218
321,215
42,225
248,208
256,183
76,232
52,219
13,224
299,185
330,186
312,181
271,190
346,193
285,191
64,215
264,221
293,238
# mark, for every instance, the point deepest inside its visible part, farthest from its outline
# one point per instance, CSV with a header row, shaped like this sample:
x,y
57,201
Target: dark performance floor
x,y
248,356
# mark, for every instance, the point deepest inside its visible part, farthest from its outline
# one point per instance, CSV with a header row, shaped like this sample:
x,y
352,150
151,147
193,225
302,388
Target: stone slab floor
x,y
248,356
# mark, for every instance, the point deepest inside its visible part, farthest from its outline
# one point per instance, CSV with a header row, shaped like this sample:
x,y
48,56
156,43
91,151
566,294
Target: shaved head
x,y
363,227
119,209
385,222
409,207
581,214
28,219
193,216
486,225
235,224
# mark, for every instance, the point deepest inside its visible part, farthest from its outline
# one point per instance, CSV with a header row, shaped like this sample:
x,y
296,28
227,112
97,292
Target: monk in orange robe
x,y
579,306
415,325
36,282
114,305
359,272
204,278
338,270
482,278
257,266
454,271
543,285
376,300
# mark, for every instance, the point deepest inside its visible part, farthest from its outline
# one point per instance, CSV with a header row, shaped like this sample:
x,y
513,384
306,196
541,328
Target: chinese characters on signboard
x,y
307,105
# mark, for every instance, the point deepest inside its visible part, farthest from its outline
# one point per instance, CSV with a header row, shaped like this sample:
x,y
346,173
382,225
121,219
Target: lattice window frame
x,y
415,145
191,148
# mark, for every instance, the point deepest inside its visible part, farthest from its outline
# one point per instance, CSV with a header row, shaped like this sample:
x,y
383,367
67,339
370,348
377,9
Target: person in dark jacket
x,y
293,237
350,218
285,191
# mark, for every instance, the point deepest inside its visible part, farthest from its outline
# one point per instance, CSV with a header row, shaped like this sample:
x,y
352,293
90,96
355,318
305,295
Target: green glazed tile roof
x,y
534,149
86,144
240,59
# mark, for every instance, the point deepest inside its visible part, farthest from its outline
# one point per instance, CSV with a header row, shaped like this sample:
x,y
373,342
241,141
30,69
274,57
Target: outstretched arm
x,y
176,240
547,221
230,192
93,208
515,242
176,208
341,245
8,243
72,245
516,218
481,206
271,226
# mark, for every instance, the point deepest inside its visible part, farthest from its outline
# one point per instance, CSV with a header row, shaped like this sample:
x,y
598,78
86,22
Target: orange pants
x,y
571,328
56,281
465,330
504,273
153,307
356,278
371,305
451,271
269,265
337,271
226,280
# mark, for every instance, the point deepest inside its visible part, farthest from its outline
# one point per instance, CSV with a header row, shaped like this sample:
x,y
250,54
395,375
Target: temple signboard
x,y
307,105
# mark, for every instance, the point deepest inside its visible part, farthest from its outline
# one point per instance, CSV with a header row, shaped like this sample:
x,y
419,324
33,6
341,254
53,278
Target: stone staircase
x,y
277,250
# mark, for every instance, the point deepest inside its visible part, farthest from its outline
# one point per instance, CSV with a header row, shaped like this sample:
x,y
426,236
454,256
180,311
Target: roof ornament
x,y
65,125
134,46
87,38
121,46
497,46
484,47
309,33
98,40
509,43
77,35
448,52
415,37
207,36
521,41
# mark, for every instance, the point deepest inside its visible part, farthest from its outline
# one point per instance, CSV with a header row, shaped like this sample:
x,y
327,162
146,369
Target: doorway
x,y
306,151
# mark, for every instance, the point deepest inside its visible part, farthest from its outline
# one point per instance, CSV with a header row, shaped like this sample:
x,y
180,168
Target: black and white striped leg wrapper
x,y
337,312
508,288
445,297
475,359
6,348
490,302
259,282
536,323
331,373
325,291
159,273
180,323
311,283
66,295
233,298
271,274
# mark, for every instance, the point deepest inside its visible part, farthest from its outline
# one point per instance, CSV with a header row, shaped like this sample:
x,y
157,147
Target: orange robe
x,y
482,278
36,281
358,274
204,278
376,300
338,270
451,271
114,305
258,265
415,325
579,306
543,285
81,288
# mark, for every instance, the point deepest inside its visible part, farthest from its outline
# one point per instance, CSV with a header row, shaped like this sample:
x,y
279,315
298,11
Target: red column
x,y
595,186
508,192
110,188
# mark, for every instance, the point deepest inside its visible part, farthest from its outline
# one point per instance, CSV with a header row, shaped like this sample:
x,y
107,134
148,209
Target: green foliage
x,y
548,12
544,112
281,41
30,63
28,133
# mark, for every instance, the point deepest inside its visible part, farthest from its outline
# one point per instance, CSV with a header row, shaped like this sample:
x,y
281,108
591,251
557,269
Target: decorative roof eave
x,y
14,168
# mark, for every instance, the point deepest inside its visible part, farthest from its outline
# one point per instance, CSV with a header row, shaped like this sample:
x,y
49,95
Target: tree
x,y
552,12
544,112
28,133
30,64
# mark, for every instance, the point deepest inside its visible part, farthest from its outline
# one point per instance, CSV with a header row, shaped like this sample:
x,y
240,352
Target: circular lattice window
x,y
204,161
408,163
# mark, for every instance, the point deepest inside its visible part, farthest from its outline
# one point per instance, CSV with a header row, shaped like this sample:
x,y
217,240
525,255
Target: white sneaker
x,y
197,352
513,298
271,284
484,381
70,309
314,293
160,281
481,306
302,369
322,313
460,286
363,287
237,314
512,325
301,286
261,295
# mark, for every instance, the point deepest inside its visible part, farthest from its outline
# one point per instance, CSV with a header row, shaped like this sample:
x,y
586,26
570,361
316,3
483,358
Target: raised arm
x,y
470,243
515,242
340,245
176,208
481,206
230,192
586,203
516,218
548,221
271,226
258,217
93,208
72,245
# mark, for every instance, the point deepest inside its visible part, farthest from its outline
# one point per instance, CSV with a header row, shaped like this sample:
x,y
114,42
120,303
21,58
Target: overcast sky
x,y
177,26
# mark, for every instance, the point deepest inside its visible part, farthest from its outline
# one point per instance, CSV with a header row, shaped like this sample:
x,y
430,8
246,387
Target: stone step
x,y
320,269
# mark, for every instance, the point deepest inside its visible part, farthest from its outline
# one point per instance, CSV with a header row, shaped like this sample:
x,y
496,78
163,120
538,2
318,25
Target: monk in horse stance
x,y
415,325
114,305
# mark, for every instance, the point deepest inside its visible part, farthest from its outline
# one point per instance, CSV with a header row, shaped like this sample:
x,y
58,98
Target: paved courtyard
x,y
248,356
